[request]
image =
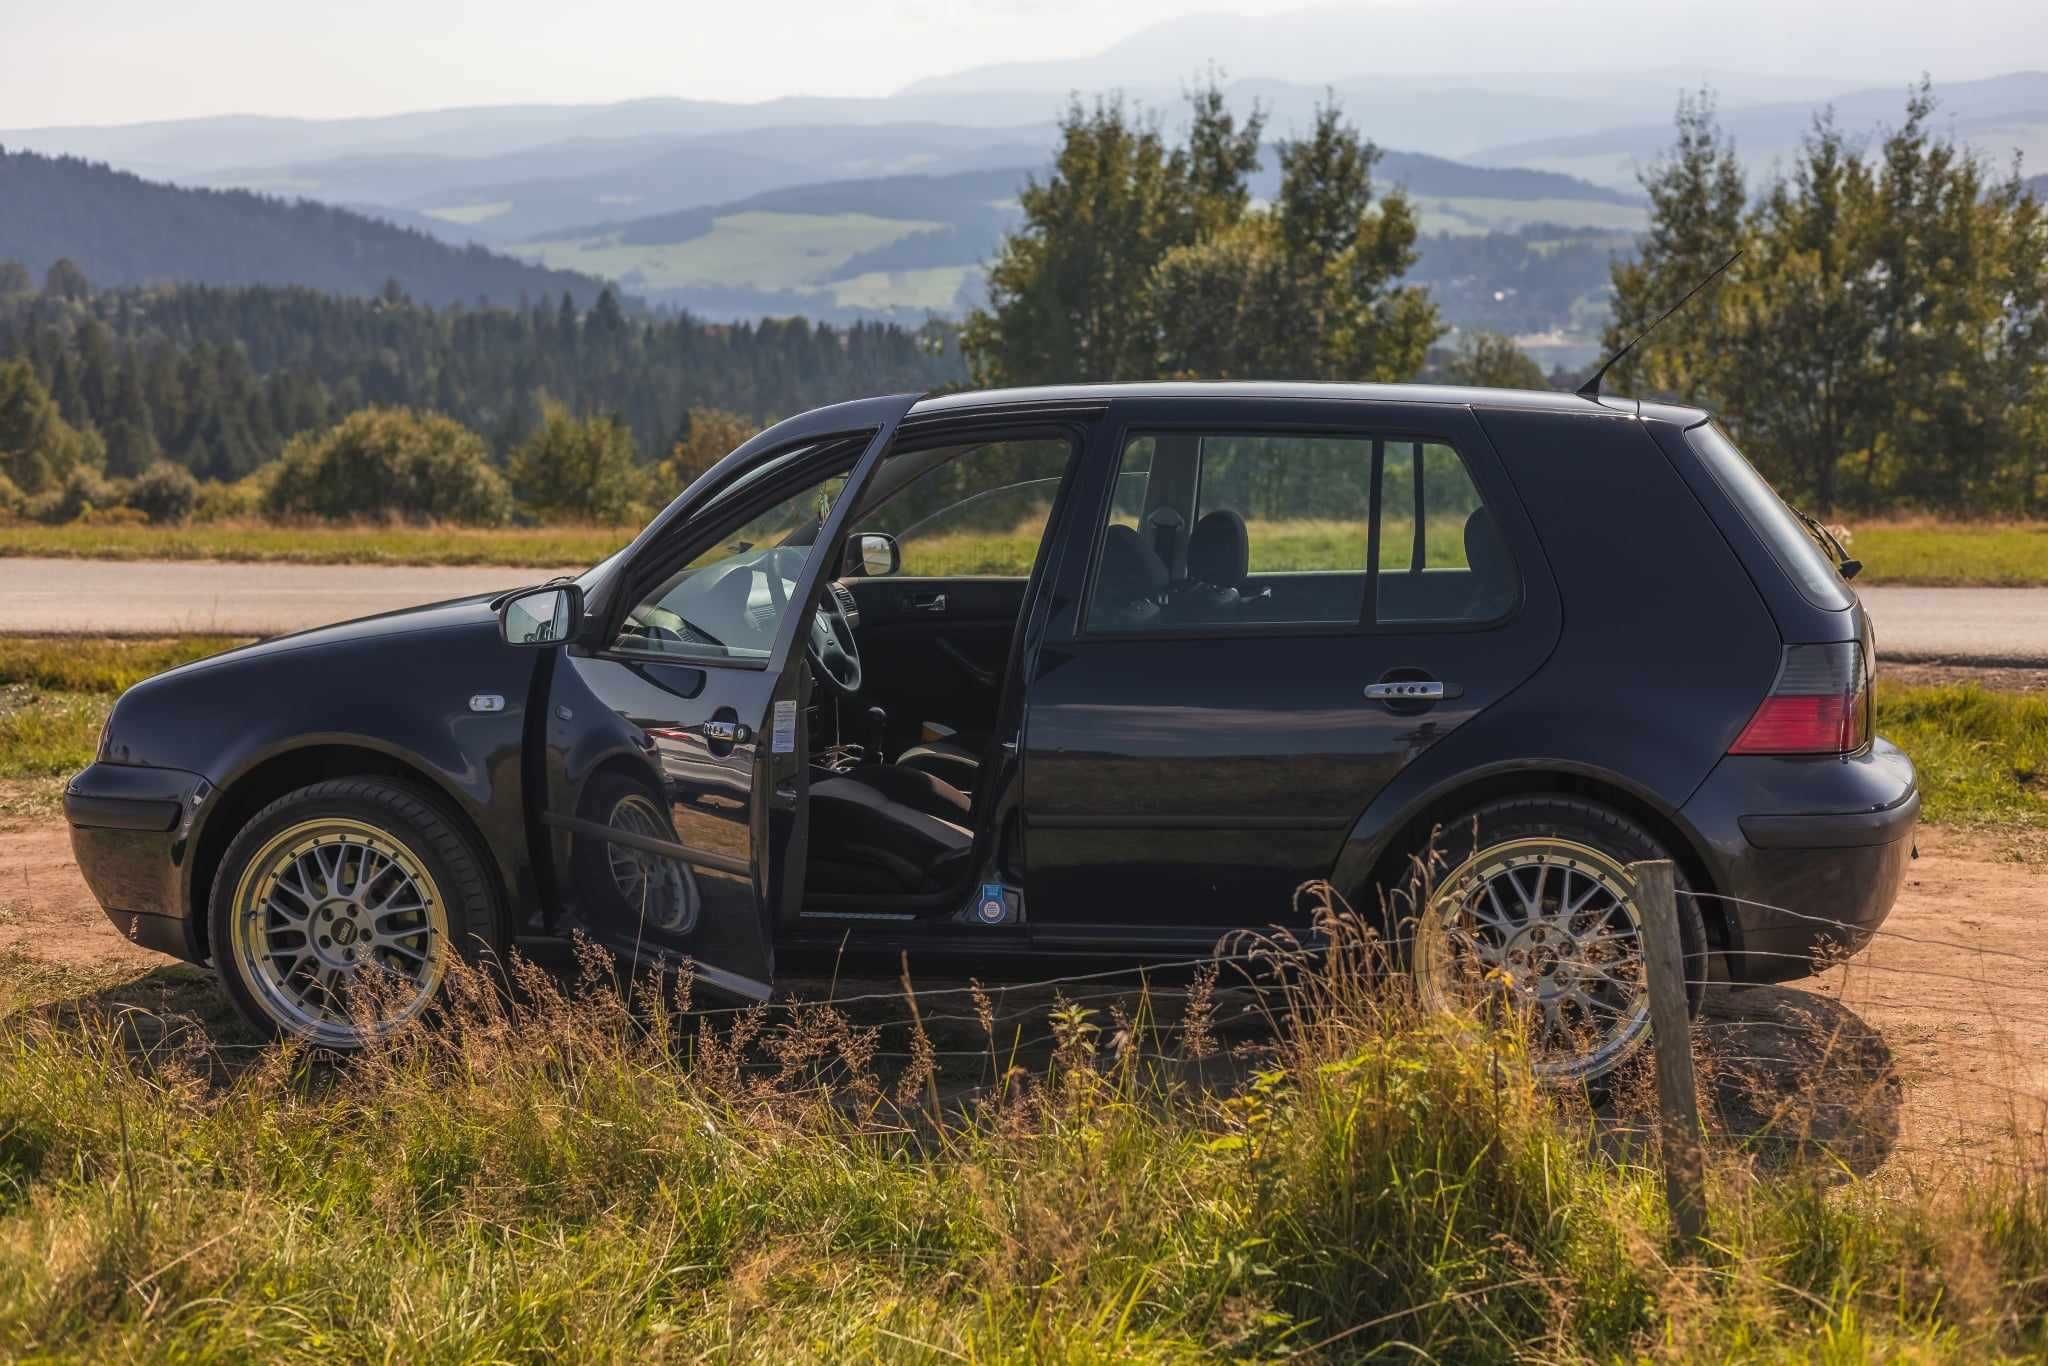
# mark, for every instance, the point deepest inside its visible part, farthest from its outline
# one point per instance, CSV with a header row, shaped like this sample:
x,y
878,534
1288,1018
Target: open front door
x,y
676,753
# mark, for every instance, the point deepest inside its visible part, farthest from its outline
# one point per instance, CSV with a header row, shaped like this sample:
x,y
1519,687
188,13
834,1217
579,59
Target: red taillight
x,y
1819,705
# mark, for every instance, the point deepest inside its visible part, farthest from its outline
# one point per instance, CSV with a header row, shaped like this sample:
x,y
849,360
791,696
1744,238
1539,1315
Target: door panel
x,y
1191,778
936,649
676,787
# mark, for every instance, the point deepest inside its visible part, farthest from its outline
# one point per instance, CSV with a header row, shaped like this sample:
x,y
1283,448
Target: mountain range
x,y
841,208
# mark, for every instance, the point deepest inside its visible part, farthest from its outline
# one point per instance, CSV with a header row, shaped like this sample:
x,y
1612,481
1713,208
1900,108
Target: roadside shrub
x,y
84,489
571,469
244,498
390,463
12,499
164,493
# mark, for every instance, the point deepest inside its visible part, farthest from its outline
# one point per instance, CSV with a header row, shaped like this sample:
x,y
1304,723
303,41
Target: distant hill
x,y
905,246
123,230
1995,117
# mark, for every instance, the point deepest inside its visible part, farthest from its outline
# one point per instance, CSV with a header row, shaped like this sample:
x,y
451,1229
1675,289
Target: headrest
x,y
1129,568
1220,549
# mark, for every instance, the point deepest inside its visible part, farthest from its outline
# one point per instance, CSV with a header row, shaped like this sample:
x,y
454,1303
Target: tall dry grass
x,y
596,1172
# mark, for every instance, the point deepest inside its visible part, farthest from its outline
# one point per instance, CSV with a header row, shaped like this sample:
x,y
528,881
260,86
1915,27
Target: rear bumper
x,y
1807,853
130,829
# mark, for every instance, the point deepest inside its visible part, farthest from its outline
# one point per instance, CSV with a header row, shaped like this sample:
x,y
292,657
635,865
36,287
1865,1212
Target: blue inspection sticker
x,y
991,906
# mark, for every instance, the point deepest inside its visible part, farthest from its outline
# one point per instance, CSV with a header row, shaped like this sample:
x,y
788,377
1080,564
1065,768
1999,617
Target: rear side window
x,y
1240,530
1772,521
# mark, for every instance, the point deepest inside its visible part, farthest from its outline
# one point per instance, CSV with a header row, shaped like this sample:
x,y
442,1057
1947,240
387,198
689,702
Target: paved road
x,y
1963,625
130,597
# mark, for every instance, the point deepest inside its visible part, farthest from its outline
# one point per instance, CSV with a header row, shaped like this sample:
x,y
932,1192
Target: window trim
x,y
1367,623
836,455
972,437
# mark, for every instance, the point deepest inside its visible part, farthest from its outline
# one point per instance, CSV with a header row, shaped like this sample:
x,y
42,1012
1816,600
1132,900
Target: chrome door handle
x,y
1407,690
935,603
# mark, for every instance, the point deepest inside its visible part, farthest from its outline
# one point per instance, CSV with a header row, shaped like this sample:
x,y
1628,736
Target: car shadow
x,y
1794,1078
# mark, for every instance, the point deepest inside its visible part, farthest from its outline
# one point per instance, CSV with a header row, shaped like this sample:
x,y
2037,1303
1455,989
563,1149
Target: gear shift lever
x,y
878,734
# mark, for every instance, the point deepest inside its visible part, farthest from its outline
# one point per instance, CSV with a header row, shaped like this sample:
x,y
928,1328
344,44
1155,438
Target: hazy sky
x,y
112,61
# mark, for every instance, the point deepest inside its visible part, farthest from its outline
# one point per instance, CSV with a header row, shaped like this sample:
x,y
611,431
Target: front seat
x,y
947,760
890,829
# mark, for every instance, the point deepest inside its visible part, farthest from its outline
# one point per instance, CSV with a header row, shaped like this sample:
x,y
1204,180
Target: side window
x,y
976,509
1441,554
1235,529
728,600
1227,530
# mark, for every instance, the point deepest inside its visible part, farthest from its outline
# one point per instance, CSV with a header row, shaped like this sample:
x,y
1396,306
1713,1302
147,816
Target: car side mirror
x,y
547,615
873,555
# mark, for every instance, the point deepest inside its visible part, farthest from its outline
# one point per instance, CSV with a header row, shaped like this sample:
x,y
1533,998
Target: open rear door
x,y
676,766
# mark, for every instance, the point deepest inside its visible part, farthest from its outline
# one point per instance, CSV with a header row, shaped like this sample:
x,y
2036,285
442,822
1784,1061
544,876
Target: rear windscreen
x,y
1773,522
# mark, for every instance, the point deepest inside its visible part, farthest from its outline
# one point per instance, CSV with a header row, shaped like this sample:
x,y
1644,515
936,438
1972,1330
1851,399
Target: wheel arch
x,y
1376,856
235,802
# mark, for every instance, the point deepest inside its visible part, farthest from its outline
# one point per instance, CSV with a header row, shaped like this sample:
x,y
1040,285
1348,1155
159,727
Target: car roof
x,y
1062,395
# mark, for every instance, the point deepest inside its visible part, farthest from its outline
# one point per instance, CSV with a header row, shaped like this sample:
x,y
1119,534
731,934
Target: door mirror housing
x,y
546,615
873,555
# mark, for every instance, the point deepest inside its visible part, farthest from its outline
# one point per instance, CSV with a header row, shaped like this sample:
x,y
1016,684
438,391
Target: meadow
x,y
1923,552
552,1173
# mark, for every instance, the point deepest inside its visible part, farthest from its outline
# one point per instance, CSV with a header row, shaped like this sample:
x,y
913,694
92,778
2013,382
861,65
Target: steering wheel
x,y
832,648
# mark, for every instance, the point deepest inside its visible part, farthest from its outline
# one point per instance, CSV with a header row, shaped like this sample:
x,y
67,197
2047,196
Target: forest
x,y
218,380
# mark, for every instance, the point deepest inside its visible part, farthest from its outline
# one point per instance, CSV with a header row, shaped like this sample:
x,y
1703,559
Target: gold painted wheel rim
x,y
328,907
1550,927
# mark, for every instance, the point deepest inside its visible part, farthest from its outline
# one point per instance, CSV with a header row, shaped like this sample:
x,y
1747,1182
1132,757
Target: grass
x,y
1942,554
565,1176
754,250
573,547
1952,554
1982,756
55,694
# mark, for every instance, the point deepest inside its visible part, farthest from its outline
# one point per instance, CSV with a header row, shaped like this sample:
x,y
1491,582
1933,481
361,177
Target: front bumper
x,y
1808,854
131,833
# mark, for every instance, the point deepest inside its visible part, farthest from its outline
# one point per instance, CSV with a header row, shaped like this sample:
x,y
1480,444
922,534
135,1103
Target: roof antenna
x,y
1591,388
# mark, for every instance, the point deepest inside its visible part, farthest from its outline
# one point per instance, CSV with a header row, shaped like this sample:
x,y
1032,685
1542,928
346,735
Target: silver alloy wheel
x,y
334,903
1553,926
662,889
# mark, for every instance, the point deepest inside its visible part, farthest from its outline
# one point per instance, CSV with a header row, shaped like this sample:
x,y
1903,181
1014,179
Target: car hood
x,y
434,617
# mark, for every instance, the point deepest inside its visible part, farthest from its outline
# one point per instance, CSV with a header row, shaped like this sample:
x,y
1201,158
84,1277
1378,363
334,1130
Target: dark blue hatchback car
x,y
1099,672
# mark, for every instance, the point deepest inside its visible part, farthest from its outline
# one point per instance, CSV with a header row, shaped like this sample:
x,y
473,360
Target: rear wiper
x,y
1846,566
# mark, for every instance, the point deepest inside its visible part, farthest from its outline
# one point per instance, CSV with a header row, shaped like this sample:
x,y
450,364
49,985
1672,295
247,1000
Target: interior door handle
x,y
1406,690
929,602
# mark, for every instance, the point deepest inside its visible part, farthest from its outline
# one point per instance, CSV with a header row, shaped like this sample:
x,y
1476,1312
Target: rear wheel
x,y
1529,902
336,911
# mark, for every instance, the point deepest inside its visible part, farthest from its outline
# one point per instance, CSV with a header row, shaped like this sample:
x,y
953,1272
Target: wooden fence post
x,y
1678,1130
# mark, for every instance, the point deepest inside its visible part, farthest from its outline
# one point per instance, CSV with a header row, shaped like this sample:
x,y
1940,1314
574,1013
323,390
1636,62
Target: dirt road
x,y
1978,625
1928,1046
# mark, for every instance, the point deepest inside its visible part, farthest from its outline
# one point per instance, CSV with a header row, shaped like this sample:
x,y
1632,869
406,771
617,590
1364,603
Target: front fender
x,y
403,697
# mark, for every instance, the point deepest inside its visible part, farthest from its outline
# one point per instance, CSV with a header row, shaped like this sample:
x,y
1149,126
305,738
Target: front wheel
x,y
1530,902
346,884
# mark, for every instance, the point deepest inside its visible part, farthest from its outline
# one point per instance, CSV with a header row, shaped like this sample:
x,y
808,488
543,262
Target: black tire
x,y
438,841
623,888
1599,828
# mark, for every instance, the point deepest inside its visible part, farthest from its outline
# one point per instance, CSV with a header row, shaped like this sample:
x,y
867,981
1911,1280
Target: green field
x,y
1951,554
751,250
1475,216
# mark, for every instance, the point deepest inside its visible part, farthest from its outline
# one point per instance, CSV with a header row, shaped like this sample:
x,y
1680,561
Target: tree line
x,y
218,380
1882,341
